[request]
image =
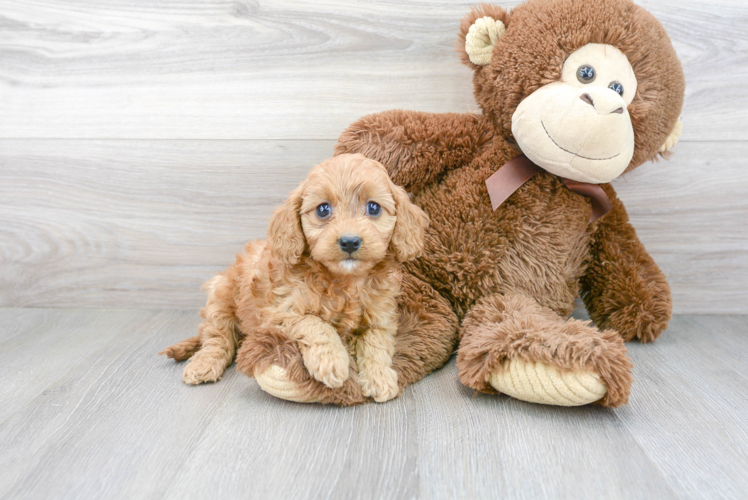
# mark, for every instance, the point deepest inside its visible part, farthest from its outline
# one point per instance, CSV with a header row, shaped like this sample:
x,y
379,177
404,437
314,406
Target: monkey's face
x,y
588,89
579,127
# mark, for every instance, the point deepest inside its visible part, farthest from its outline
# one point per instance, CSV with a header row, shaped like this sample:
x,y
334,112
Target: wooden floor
x,y
90,411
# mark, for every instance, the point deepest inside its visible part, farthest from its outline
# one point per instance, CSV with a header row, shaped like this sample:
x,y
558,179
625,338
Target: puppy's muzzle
x,y
349,244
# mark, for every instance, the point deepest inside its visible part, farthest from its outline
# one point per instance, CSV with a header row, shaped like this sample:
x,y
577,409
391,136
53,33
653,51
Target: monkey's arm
x,y
416,147
623,288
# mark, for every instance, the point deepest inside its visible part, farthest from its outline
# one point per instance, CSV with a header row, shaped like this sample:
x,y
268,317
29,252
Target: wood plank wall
x,y
143,142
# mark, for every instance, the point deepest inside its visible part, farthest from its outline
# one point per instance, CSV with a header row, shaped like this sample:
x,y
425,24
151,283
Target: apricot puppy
x,y
328,277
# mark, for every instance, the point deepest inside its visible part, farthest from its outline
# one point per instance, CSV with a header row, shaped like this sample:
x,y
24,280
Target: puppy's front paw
x,y
379,383
201,369
327,363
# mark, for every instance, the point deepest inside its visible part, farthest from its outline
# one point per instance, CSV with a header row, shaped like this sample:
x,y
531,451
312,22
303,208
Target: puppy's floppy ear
x,y
408,237
284,232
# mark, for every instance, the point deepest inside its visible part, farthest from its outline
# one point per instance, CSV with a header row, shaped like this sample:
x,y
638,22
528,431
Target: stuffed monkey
x,y
574,93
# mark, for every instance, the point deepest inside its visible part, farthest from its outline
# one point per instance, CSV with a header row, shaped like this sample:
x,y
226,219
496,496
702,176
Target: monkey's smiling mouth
x,y
572,152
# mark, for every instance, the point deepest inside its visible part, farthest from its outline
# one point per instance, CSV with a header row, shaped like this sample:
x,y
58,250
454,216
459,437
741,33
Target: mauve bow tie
x,y
514,173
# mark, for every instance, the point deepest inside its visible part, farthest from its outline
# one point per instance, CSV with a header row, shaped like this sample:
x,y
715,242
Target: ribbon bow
x,y
514,173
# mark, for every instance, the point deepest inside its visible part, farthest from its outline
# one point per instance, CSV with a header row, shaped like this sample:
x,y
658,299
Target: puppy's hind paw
x,y
379,383
327,363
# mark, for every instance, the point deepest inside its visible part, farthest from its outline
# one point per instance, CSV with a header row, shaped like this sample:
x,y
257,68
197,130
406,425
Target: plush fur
x,y
303,302
426,338
511,275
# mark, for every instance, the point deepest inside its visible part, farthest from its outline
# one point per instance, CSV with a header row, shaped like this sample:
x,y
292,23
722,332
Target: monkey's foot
x,y
276,382
545,384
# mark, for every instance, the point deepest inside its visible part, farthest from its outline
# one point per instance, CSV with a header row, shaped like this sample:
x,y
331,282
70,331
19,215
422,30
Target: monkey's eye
x,y
616,87
586,74
324,210
373,209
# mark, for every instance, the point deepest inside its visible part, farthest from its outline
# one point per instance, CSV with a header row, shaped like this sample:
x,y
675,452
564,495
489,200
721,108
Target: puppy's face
x,y
348,215
351,215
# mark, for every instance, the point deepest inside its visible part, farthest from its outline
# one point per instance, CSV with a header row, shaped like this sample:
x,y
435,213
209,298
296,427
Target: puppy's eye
x,y
616,87
586,74
373,209
324,210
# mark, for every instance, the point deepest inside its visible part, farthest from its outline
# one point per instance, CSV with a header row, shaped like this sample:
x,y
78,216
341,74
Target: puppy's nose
x,y
349,244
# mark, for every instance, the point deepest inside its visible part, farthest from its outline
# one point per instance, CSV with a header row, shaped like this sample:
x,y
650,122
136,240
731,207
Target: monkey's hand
x,y
623,288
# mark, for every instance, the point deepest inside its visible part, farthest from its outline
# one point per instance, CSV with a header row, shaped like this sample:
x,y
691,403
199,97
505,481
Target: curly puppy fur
x,y
303,293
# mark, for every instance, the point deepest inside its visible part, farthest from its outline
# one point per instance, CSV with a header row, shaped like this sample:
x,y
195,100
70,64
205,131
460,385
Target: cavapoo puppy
x,y
328,273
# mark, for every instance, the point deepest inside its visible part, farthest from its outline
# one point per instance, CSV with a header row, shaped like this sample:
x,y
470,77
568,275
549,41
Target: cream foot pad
x,y
275,382
539,383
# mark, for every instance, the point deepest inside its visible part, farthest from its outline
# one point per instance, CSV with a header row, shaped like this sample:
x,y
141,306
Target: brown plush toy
x,y
523,220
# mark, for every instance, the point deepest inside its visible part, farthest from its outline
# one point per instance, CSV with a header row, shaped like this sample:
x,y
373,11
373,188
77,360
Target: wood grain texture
x,y
511,449
691,214
135,223
115,432
118,423
287,69
36,347
695,379
145,223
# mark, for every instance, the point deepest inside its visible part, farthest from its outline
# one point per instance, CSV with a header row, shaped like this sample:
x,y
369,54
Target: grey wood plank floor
x,y
90,411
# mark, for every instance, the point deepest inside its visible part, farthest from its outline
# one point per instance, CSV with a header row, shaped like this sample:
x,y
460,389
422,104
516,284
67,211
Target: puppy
x,y
328,275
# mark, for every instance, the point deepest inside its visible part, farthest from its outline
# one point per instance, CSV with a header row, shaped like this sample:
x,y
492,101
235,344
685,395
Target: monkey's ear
x,y
479,32
673,138
285,235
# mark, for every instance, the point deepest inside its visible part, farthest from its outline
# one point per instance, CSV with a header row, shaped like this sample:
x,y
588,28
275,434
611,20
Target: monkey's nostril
x,y
588,99
619,111
349,244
